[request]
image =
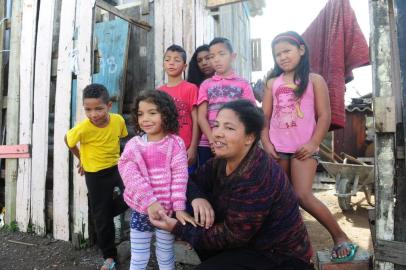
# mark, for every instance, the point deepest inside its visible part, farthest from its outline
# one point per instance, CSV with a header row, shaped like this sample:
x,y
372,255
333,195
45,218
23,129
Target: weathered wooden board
x,y
218,3
12,117
112,39
390,251
84,24
62,121
384,142
159,45
15,151
41,113
28,34
2,69
385,114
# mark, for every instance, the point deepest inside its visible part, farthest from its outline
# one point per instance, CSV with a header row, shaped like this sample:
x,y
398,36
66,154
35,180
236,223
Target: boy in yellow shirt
x,y
99,137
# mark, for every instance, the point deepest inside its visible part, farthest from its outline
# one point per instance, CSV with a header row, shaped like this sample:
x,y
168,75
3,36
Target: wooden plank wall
x,y
62,121
140,67
182,22
28,36
234,24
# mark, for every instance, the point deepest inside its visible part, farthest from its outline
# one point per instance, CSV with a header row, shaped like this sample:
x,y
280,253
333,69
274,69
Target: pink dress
x,y
293,120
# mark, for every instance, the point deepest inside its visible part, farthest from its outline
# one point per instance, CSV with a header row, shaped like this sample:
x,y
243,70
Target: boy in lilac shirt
x,y
223,87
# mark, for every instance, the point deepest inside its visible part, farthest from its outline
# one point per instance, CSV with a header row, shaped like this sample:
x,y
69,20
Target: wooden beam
x,y
13,110
84,24
62,121
2,29
112,9
381,54
400,210
217,3
159,22
42,84
28,34
390,251
15,151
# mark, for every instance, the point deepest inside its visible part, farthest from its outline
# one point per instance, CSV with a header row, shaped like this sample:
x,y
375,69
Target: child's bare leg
x,y
302,175
285,164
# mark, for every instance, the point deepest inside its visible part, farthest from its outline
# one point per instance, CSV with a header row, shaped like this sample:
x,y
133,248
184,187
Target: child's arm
x,y
179,174
203,122
267,103
192,150
135,183
323,116
75,151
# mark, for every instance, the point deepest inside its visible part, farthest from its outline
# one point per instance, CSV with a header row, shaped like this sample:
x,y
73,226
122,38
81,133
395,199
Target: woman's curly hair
x,y
165,105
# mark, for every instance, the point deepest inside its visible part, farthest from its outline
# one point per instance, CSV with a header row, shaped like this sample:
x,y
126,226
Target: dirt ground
x,y
46,253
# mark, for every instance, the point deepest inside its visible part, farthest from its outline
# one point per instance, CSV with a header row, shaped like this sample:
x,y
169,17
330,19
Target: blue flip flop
x,y
350,246
109,264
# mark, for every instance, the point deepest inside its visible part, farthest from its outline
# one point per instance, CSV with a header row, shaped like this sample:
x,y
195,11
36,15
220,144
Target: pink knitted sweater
x,y
154,171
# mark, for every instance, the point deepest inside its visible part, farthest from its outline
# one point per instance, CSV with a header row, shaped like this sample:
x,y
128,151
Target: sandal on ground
x,y
346,245
109,264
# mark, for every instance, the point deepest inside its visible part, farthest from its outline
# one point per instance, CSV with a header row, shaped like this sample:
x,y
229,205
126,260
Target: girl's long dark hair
x,y
303,68
195,75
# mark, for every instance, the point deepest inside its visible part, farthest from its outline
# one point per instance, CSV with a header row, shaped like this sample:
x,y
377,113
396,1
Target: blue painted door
x,y
111,41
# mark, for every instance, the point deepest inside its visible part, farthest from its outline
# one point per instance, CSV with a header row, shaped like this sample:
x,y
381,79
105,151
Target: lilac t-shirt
x,y
293,119
219,90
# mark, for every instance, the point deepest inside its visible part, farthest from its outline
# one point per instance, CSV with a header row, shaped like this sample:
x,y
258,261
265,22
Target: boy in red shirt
x,y
185,97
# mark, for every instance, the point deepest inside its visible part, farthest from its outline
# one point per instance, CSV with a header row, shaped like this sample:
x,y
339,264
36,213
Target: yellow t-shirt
x,y
99,147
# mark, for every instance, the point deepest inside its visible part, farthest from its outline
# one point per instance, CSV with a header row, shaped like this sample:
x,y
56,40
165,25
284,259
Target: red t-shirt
x,y
185,96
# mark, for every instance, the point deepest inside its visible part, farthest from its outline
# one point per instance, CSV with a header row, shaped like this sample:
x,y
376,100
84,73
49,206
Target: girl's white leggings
x,y
140,249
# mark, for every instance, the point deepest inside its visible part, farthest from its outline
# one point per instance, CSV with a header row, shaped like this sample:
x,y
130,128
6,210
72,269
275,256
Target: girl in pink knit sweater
x,y
153,167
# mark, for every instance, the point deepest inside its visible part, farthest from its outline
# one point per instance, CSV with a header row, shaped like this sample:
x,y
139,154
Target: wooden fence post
x,y
385,126
28,35
13,100
62,121
84,23
42,84
2,32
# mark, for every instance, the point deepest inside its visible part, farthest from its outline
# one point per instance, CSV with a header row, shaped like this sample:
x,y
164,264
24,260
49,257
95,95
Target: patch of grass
x,y
83,243
29,228
12,227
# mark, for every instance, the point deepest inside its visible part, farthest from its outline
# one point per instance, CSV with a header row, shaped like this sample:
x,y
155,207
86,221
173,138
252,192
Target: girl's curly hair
x,y
166,106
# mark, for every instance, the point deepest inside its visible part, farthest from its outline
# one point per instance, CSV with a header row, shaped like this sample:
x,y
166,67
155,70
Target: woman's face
x,y
230,140
203,62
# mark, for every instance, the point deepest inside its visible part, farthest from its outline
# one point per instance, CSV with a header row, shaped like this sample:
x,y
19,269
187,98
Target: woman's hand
x,y
306,151
184,217
163,222
203,212
153,210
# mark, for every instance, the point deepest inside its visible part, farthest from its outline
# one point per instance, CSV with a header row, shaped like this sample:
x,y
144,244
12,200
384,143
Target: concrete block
x,y
361,261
